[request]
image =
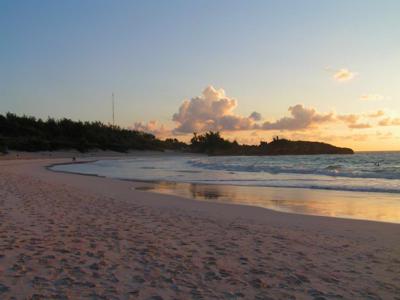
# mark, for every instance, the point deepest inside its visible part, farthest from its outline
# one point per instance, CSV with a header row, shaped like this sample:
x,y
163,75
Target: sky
x,y
311,70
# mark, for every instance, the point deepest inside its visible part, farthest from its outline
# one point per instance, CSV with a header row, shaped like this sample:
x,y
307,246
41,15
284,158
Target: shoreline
x,y
92,184
75,180
218,192
70,236
197,183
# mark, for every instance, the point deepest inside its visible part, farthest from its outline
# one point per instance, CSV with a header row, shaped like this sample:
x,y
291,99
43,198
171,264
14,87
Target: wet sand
x,y
383,207
65,236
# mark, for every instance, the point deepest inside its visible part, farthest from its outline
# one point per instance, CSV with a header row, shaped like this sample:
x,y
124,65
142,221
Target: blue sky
x,y
64,59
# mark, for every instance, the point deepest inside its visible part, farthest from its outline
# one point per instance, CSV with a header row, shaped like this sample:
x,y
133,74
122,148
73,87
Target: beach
x,y
68,236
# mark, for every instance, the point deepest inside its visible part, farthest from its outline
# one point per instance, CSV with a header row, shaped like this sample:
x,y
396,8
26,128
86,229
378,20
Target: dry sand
x,y
65,236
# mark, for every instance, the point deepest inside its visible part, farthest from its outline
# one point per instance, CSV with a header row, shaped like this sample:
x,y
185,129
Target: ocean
x,y
368,180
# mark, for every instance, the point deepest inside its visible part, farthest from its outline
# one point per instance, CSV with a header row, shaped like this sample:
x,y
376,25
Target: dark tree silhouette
x,y
213,144
31,134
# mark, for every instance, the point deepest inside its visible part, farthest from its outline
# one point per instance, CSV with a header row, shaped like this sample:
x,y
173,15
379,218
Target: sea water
x,y
364,172
360,186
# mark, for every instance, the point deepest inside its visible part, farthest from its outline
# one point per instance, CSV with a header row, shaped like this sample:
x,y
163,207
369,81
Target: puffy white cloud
x,y
343,75
301,118
152,127
213,110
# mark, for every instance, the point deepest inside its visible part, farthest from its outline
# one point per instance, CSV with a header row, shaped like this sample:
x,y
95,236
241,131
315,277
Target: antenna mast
x,y
113,116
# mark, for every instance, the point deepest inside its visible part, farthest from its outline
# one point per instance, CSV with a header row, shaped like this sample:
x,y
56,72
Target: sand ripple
x,y
59,243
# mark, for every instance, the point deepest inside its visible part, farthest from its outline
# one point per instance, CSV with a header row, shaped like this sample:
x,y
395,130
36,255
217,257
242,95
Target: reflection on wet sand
x,y
354,205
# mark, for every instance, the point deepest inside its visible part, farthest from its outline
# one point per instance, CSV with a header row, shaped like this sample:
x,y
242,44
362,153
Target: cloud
x,y
343,75
390,122
376,114
359,125
372,97
350,119
213,110
305,118
152,127
301,118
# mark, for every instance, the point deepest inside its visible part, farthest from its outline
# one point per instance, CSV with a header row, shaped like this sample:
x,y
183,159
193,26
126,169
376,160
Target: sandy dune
x,y
66,236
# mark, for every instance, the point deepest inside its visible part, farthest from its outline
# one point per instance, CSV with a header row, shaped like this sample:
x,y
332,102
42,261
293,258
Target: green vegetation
x,y
31,134
213,144
3,147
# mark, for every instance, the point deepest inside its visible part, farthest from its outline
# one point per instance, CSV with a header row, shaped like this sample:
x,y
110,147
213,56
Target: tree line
x,y
24,133
213,144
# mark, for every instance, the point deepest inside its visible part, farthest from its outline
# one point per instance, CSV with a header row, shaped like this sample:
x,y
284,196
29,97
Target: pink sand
x,y
65,236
